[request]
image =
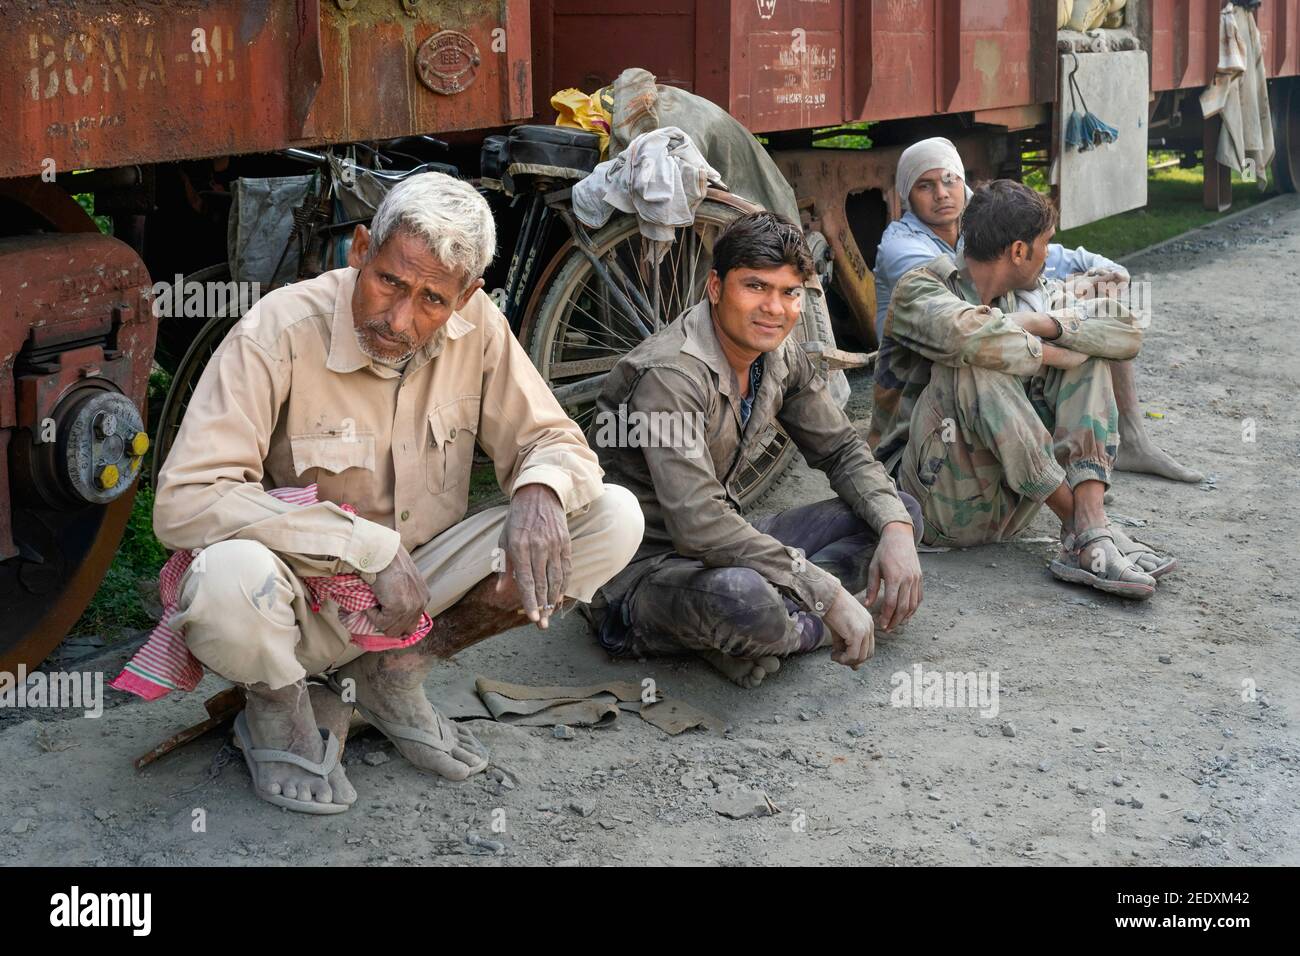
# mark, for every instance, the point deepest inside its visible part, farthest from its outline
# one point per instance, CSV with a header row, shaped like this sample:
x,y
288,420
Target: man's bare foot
x,y
744,672
336,717
390,685
284,720
1137,453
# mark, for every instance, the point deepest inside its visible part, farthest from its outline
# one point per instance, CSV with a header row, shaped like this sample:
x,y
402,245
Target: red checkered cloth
x,y
165,664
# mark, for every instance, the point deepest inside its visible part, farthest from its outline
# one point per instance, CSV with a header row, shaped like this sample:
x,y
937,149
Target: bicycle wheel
x,y
184,381
582,328
176,332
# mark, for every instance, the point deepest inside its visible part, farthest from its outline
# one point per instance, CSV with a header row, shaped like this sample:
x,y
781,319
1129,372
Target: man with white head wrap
x,y
984,413
931,183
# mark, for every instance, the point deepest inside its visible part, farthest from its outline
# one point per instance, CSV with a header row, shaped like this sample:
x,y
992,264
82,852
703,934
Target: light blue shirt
x,y
908,243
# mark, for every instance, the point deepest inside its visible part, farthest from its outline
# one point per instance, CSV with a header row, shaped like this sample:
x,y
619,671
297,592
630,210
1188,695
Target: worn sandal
x,y
259,755
1128,581
1143,556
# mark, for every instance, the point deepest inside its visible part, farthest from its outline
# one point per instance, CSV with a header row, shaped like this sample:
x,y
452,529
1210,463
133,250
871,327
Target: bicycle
x,y
576,310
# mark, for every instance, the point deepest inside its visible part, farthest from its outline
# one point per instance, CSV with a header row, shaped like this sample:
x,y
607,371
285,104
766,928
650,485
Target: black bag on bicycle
x,y
557,152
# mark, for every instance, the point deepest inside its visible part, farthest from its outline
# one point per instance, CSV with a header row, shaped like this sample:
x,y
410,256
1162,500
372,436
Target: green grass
x,y
1173,207
118,605
87,202
854,137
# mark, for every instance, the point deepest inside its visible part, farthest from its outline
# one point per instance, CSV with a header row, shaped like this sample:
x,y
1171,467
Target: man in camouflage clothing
x,y
985,413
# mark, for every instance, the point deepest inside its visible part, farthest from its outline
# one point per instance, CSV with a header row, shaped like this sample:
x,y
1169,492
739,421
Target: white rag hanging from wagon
x,y
1239,94
661,178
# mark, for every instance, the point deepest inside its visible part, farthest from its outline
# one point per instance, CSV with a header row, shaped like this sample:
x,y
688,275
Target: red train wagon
x,y
986,73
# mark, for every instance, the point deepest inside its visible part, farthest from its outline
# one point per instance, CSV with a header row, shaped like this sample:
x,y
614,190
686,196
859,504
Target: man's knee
x,y
616,524
745,604
235,575
985,391
236,613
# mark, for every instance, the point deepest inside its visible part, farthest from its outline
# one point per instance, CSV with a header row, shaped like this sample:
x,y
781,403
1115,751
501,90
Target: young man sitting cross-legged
x,y
985,413
705,580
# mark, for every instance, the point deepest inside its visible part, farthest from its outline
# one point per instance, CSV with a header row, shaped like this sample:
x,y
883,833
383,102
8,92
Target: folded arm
x,y
928,318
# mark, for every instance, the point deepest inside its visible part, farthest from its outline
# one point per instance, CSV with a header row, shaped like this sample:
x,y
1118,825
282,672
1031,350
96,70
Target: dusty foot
x,y
335,716
1145,458
284,720
742,671
390,685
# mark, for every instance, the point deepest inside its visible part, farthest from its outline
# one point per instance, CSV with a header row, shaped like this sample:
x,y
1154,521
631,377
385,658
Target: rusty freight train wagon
x,y
169,104
162,110
992,75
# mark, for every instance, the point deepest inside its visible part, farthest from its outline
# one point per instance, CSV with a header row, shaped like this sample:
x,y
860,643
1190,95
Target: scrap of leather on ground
x,y
595,705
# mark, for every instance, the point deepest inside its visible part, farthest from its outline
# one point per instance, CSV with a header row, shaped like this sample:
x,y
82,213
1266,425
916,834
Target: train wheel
x,y
64,553
580,331
44,590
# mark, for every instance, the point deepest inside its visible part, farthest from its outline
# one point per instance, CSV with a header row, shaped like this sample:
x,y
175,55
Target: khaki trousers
x,y
246,616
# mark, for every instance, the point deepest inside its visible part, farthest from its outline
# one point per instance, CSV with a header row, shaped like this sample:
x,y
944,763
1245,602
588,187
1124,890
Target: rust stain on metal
x,y
87,87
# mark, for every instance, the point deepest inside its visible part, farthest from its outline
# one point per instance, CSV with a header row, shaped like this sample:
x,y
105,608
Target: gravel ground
x,y
1156,733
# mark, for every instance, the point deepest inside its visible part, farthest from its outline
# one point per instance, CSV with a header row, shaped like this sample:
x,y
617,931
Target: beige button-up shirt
x,y
289,399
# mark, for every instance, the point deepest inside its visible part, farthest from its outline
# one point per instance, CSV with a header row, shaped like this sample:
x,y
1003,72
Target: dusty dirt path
x,y
1133,740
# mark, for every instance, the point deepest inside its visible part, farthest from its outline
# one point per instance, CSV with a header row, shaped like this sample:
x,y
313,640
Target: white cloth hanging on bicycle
x,y
661,178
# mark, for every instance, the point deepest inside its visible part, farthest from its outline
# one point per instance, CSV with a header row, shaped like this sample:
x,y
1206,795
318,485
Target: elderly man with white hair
x,y
372,384
932,190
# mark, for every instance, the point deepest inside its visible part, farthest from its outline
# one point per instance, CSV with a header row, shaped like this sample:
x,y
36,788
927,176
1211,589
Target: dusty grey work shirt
x,y
687,489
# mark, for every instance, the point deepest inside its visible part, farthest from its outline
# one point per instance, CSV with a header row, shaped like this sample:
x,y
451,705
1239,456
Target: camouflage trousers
x,y
986,449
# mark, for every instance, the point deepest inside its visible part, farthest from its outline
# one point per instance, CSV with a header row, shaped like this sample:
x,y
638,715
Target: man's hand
x,y
402,594
853,633
1056,357
894,576
538,550
1102,284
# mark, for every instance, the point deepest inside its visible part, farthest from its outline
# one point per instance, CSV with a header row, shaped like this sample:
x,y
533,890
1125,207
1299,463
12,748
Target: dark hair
x,y
1001,212
762,240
